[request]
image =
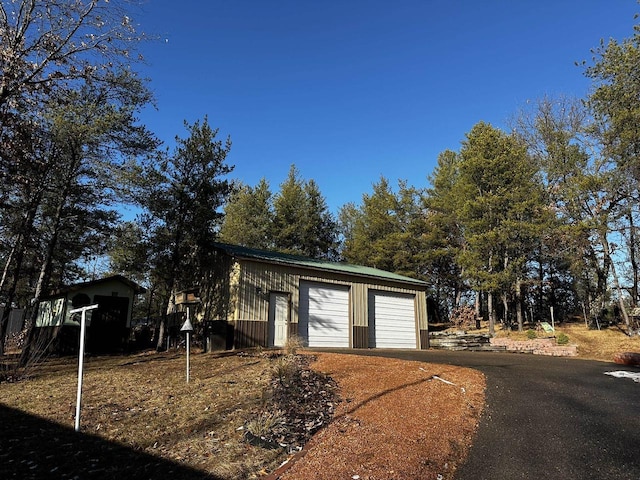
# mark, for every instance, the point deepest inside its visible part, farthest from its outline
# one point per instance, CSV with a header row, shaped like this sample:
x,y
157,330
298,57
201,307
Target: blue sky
x,y
350,91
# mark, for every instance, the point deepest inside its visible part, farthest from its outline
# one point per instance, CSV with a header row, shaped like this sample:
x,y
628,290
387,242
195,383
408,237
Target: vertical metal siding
x,y
252,305
360,337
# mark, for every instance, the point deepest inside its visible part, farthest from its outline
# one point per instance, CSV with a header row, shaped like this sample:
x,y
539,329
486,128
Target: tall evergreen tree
x,y
386,231
319,229
183,195
289,214
302,223
443,234
249,216
69,211
53,57
501,209
370,241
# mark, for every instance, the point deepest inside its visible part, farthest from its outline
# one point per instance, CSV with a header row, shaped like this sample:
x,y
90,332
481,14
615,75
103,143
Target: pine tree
x,y
182,195
387,230
302,223
249,217
501,210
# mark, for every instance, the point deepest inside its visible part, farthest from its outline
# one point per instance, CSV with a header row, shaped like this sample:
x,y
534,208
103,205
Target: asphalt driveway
x,y
548,418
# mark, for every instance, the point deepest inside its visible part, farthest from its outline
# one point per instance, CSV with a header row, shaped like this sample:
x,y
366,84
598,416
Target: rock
x,y
627,358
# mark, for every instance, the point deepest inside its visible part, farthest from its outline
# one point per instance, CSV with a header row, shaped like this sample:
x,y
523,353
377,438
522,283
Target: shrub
x,y
285,368
562,339
531,334
293,344
265,423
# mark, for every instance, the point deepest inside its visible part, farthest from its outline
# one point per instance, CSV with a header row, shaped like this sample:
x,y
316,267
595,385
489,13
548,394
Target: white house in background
x,y
108,326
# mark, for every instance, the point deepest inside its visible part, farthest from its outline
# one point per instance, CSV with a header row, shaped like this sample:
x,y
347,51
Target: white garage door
x,y
324,315
392,320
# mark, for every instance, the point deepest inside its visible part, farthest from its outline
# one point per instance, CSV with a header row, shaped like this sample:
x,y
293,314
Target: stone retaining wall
x,y
458,341
538,346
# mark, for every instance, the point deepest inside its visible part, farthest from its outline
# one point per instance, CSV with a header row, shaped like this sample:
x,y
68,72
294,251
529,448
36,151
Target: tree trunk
x,y
616,281
492,314
541,283
20,248
519,305
633,259
458,298
478,309
505,307
162,329
45,273
7,266
175,261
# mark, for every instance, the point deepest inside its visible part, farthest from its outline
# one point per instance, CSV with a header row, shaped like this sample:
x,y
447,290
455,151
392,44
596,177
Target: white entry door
x,y
278,319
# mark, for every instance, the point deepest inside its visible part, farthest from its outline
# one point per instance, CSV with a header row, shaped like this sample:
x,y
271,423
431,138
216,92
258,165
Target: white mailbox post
x,y
83,329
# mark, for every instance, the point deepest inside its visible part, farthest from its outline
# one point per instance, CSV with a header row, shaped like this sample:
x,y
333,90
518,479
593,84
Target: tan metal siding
x,y
276,278
253,280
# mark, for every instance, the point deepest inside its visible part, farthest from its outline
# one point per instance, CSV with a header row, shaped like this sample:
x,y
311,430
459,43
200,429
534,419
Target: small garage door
x,y
324,315
392,320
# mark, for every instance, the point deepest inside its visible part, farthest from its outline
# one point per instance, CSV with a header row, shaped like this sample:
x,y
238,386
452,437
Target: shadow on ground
x,y
34,448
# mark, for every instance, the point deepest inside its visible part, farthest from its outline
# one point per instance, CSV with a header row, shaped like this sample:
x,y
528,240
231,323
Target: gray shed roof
x,y
305,262
79,286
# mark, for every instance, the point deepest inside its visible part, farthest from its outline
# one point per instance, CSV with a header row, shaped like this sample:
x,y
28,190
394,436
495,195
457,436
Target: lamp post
x,y
187,328
83,329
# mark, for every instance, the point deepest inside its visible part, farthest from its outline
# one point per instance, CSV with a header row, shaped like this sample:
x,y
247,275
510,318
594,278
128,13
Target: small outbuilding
x,y
108,326
264,298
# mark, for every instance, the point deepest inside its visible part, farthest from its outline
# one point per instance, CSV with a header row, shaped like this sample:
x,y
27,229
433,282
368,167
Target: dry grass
x,y
144,402
592,344
139,410
600,344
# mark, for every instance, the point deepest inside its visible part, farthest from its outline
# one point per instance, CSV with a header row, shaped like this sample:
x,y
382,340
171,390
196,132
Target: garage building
x,y
267,297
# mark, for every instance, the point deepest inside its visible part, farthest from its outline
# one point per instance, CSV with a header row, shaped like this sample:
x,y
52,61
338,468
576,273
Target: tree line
x,y
514,222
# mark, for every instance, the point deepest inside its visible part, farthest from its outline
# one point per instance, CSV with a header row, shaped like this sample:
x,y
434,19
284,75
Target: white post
x,y
553,322
188,344
83,329
187,328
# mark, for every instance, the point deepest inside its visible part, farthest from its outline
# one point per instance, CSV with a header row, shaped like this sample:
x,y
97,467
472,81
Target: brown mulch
x,y
301,398
397,420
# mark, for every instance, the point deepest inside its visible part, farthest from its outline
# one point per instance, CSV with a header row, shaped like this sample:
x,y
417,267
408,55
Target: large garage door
x,y
324,315
392,320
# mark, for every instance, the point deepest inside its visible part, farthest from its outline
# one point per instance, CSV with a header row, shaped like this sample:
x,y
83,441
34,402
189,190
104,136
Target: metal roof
x,y
305,262
79,286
